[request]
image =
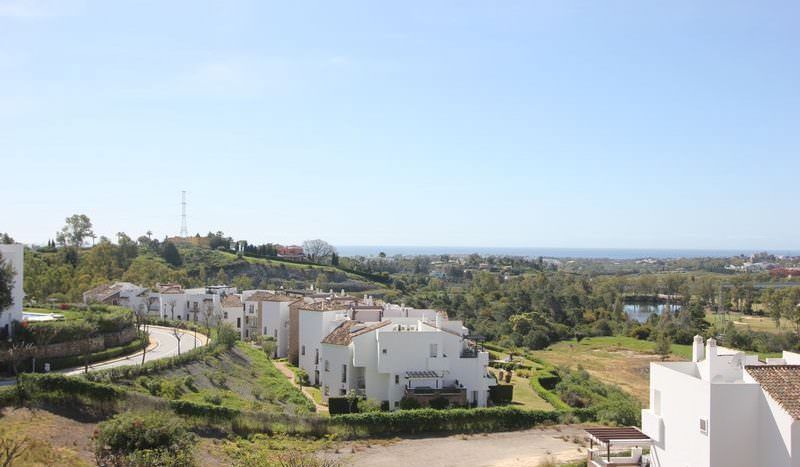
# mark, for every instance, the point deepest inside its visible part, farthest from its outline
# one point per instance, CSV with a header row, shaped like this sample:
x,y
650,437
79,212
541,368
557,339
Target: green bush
x,y
196,409
439,403
501,393
51,383
136,439
437,421
342,405
408,403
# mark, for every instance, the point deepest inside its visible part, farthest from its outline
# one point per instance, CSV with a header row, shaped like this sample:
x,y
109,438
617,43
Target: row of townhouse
x,y
167,301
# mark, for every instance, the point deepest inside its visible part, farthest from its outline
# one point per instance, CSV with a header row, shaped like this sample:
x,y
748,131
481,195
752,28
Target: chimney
x,y
711,348
698,351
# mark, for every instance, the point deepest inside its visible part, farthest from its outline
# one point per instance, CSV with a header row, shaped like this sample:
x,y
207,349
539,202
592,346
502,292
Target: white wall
x,y
13,255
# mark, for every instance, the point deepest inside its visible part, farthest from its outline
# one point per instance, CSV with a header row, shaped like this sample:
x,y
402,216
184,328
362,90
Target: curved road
x,y
163,344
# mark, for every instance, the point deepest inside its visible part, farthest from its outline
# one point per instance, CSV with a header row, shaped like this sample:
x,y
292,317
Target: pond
x,y
642,311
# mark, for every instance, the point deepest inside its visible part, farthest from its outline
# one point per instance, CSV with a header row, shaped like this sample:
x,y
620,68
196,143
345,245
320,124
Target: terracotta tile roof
x,y
106,291
269,297
230,301
349,329
782,383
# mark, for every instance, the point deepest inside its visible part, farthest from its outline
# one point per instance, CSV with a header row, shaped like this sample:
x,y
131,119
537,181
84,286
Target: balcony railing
x,y
422,391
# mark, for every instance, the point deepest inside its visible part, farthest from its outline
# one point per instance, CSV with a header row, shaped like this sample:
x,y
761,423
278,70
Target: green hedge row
x,y
154,366
449,421
207,411
501,393
70,386
342,405
99,322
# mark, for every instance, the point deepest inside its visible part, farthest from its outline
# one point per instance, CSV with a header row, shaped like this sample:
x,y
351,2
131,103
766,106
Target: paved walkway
x,y
284,368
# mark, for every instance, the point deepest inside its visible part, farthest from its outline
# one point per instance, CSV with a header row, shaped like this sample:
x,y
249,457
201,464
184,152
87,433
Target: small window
x,y
238,323
344,373
396,404
396,379
225,315
275,333
434,350
384,351
342,392
303,350
703,426
327,390
327,366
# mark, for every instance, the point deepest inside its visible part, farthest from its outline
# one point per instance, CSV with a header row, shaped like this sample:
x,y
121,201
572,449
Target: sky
x,y
608,124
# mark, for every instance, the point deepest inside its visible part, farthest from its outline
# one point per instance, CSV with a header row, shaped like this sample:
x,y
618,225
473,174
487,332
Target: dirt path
x,y
511,449
283,368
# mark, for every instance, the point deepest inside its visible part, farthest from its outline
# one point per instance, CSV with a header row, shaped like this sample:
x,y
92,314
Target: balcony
x,y
456,395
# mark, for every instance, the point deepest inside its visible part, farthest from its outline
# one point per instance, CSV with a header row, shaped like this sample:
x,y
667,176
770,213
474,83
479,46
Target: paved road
x,y
163,344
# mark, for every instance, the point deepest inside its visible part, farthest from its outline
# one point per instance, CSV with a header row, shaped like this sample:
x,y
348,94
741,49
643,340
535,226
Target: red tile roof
x,y
782,383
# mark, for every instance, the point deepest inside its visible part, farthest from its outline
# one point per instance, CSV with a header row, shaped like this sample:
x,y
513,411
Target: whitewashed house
x,y
405,358
123,294
171,301
233,312
314,322
267,314
12,255
724,408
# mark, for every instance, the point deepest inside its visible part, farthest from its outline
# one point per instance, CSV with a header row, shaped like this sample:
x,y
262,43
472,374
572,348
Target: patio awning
x,y
423,374
618,436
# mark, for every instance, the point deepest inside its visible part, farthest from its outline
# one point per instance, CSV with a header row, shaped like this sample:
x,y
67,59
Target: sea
x,y
532,252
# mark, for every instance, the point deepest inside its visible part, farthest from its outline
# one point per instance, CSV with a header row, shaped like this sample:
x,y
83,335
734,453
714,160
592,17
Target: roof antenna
x,y
184,229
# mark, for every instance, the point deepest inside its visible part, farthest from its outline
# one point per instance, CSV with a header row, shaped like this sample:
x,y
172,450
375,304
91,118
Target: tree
x,y
88,332
242,282
77,229
140,315
178,335
318,250
18,353
221,278
208,314
6,239
171,254
11,449
6,284
663,345
42,335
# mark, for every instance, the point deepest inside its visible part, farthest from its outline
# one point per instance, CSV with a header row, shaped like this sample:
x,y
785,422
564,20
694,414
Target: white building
x,y
314,322
123,294
724,408
171,301
404,358
267,314
233,312
12,255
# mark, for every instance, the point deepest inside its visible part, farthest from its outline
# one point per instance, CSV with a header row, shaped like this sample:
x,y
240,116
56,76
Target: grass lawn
x,y
751,322
524,395
623,361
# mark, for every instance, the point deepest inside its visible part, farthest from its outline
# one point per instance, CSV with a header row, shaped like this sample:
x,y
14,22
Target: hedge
x,y
342,405
70,386
154,366
197,409
501,393
449,421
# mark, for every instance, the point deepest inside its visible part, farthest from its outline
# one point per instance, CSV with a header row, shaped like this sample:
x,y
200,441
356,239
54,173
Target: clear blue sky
x,y
653,124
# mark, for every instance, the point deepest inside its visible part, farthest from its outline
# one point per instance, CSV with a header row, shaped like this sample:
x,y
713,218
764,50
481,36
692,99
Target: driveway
x,y
509,449
163,344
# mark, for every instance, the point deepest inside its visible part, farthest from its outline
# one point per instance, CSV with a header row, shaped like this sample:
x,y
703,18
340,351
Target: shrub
x,y
501,393
138,439
212,398
408,403
451,421
439,403
343,405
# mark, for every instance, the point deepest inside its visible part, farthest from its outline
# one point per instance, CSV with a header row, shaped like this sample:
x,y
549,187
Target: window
x,y
238,323
265,331
225,314
342,392
303,350
657,402
396,404
434,350
327,390
251,309
396,379
275,333
316,356
327,366
344,373
703,426
384,351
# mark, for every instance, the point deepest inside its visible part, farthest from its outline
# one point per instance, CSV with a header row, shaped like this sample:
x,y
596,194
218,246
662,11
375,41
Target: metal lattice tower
x,y
184,229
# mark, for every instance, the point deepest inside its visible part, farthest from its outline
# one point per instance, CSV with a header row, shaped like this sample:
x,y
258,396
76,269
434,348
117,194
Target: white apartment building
x,y
724,409
123,294
404,358
12,255
315,321
267,314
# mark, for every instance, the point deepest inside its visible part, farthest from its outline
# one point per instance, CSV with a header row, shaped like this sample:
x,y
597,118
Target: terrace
x,y
606,439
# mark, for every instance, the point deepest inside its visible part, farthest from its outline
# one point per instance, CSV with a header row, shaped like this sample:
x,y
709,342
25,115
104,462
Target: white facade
x,y
314,325
712,412
404,357
13,255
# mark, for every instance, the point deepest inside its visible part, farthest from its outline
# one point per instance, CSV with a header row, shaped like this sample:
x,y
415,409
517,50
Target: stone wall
x,y
95,344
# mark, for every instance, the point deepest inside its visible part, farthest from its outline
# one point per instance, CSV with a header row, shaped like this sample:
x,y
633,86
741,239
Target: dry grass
x,y
52,439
